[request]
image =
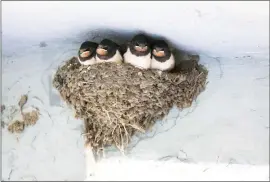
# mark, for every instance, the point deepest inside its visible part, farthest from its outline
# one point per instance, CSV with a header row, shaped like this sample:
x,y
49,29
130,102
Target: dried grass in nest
x,y
117,100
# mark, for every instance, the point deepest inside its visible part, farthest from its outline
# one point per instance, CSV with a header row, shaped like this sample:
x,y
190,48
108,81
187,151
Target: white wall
x,y
224,135
211,27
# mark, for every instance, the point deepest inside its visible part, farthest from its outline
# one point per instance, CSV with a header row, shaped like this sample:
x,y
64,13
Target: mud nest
x,y
117,100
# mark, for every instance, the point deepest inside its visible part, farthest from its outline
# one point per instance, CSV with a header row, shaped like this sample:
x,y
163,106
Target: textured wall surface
x,y
224,135
220,27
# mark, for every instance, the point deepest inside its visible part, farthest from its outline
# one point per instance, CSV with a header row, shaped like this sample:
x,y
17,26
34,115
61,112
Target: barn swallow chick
x,y
87,53
108,51
162,57
138,52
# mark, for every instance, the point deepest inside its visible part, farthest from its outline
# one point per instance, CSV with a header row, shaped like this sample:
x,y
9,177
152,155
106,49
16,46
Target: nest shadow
x,y
117,100
122,36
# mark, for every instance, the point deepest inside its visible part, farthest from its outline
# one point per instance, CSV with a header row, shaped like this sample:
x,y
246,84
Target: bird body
x,y
142,62
117,58
163,66
162,58
108,51
87,53
138,52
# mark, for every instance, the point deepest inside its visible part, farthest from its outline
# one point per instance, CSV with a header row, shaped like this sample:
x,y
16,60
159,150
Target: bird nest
x,y
117,100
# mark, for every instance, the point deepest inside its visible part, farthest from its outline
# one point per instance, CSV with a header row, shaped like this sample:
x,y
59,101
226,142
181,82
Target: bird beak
x,y
141,49
158,53
84,54
101,51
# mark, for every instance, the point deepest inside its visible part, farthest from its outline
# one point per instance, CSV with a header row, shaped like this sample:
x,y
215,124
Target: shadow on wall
x,y
69,46
121,36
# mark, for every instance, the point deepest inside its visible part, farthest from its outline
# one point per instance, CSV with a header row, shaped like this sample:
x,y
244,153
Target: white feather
x,y
88,62
116,58
143,62
163,66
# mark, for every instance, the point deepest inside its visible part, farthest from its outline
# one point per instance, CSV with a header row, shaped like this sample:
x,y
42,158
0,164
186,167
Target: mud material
x,y
16,127
22,101
117,100
30,118
3,107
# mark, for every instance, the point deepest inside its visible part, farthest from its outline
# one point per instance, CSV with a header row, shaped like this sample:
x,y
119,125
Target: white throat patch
x,y
88,62
143,62
163,66
117,58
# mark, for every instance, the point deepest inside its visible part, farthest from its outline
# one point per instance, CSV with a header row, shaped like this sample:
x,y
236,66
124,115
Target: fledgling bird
x,y
138,52
162,58
87,53
108,51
